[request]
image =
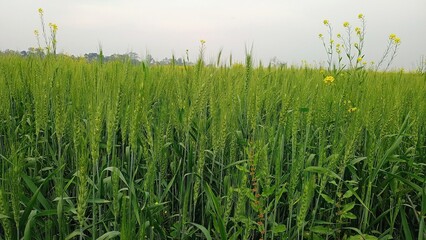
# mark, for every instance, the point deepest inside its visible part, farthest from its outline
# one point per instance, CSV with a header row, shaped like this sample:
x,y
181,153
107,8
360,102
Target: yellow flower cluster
x,y
338,50
40,11
358,30
359,59
202,42
360,16
325,22
394,39
352,109
53,26
346,24
329,80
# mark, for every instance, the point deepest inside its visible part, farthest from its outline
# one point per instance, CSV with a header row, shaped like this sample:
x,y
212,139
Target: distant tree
x,y
277,63
179,61
149,59
165,61
133,56
91,56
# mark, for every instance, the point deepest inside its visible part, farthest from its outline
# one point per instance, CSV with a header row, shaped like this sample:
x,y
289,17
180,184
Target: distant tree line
x,y
130,56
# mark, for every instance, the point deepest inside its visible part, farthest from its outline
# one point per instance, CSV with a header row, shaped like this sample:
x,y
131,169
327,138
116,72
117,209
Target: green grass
x,y
117,150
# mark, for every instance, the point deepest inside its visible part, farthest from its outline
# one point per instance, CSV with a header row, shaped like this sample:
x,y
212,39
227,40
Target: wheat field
x,y
116,150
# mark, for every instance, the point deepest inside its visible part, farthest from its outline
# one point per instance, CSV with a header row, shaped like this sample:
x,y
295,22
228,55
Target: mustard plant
x,y
390,52
50,39
328,44
351,47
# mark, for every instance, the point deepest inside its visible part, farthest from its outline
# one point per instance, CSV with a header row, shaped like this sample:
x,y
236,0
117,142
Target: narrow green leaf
x,y
74,234
348,194
217,210
109,235
97,200
24,217
268,191
349,215
327,198
28,225
321,230
321,170
30,184
347,207
405,226
279,228
203,230
363,237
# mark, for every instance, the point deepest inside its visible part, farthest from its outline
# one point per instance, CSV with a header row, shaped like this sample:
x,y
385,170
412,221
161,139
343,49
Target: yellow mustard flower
x,y
325,22
40,10
358,30
360,16
359,59
202,41
392,36
352,109
328,79
338,35
397,40
320,35
55,27
346,24
36,33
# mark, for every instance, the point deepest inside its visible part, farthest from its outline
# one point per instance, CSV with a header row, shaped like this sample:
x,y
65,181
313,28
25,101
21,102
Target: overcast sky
x,y
285,29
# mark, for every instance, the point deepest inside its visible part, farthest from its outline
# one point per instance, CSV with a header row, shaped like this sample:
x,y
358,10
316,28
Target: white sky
x,y
286,29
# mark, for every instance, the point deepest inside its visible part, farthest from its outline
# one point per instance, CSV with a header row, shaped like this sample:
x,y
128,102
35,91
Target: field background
x,y
94,150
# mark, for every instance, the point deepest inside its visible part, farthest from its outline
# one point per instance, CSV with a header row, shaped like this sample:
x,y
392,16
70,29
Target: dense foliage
x,y
115,150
